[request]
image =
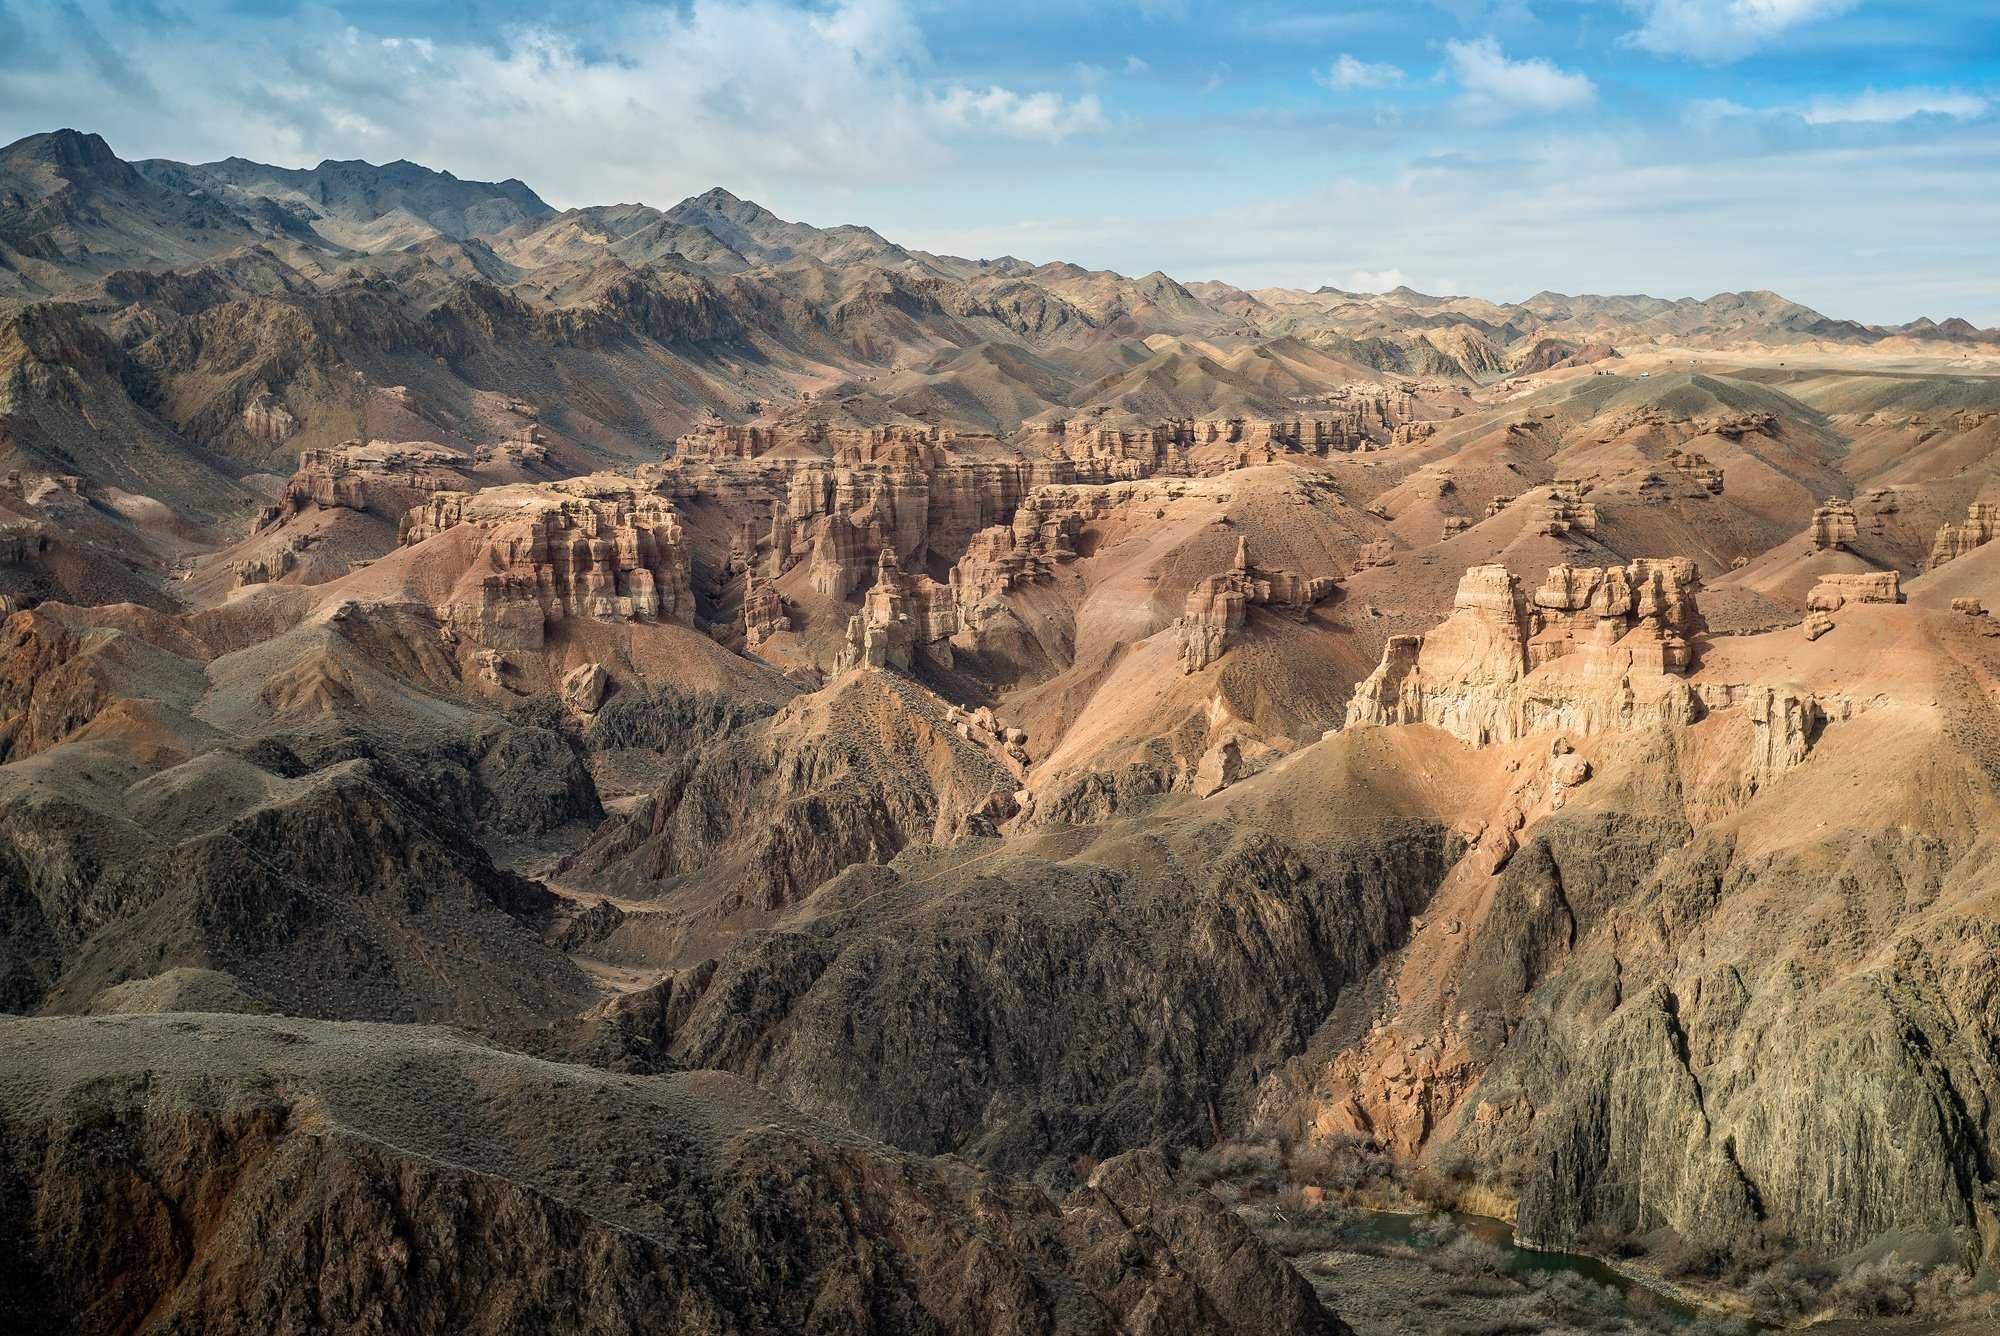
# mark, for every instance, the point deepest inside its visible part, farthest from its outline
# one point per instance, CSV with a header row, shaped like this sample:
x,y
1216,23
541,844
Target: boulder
x,y
1221,766
584,689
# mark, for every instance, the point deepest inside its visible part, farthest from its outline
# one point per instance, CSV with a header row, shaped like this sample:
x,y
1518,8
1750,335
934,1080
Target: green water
x,y
1406,1230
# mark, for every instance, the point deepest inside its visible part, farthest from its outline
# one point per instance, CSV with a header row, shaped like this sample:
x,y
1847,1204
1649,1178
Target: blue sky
x,y
1843,152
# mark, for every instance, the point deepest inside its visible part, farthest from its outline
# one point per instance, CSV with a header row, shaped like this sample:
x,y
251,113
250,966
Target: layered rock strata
x,y
1982,521
1217,605
1833,527
592,548
1835,591
1592,648
902,616
385,478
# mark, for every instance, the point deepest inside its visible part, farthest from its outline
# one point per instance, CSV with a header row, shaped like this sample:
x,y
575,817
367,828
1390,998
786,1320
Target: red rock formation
x,y
1594,648
1835,591
587,547
1833,526
1041,537
1216,607
1697,471
1982,521
1590,607
903,615
913,445
384,477
763,613
1564,510
1379,553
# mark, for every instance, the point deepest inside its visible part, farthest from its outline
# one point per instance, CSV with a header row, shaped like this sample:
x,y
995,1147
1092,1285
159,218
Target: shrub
x,y
1886,1287
1243,1165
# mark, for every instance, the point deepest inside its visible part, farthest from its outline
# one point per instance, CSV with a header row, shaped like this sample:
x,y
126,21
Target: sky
x,y
1845,153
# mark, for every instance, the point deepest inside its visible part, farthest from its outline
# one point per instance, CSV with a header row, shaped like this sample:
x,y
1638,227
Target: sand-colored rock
x,y
1836,590
1833,526
902,615
1982,521
585,688
588,548
1593,648
1216,607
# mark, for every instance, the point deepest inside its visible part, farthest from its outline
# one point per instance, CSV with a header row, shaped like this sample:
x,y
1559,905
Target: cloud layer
x,y
1490,78
1870,107
648,104
1347,73
1722,31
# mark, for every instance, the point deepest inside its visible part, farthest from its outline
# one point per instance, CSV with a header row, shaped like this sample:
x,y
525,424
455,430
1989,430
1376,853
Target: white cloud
x,y
1134,65
1349,74
1706,113
1899,104
1721,31
1019,115
1376,280
647,104
1490,79
1869,107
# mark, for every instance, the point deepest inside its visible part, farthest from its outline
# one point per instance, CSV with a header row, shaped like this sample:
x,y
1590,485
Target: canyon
x,y
783,782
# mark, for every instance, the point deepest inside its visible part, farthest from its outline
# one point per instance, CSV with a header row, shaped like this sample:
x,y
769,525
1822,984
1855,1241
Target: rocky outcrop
x,y
902,616
856,514
1696,471
589,547
1217,605
268,421
279,1175
1381,552
1785,721
1220,766
1982,521
382,477
1833,526
1592,649
1581,608
584,688
763,612
1563,511
981,726
1837,590
1027,551
911,445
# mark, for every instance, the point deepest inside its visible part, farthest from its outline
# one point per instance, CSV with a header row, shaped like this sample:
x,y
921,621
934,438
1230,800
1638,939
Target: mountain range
x,y
618,769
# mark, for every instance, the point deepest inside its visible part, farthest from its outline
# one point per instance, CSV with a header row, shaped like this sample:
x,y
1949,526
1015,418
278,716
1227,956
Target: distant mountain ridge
x,y
363,206
72,213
